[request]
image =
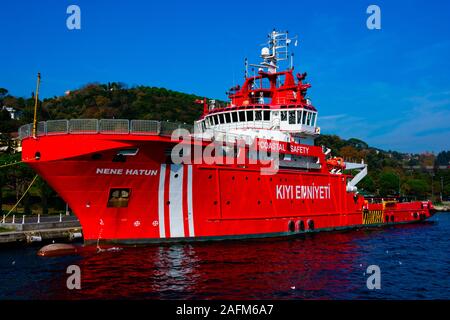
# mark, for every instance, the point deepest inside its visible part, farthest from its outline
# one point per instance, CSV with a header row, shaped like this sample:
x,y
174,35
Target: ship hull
x,y
195,202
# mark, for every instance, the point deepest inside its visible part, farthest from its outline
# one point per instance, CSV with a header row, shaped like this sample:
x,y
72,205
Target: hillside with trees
x,y
390,173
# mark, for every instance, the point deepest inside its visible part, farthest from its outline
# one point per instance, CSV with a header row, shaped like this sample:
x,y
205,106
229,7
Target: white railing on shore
x,y
102,126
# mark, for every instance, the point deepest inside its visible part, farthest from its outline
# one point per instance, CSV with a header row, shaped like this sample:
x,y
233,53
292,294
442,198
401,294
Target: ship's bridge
x,y
293,119
279,123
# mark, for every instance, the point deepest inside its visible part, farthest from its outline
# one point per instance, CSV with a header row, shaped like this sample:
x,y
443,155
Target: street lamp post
x,y
442,186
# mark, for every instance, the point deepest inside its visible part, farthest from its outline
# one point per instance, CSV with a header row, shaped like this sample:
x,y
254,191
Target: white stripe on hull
x,y
162,180
189,200
176,220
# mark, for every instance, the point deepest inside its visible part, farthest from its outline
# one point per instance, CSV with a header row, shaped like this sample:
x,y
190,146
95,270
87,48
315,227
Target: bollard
x,y
60,217
39,218
14,218
23,219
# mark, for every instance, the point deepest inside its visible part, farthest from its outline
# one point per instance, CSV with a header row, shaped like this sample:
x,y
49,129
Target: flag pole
x,y
36,99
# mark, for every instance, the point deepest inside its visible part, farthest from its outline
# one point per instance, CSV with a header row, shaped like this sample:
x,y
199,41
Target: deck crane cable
x,y
23,195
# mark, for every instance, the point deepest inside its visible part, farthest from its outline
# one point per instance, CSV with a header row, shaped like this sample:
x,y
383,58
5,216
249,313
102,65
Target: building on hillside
x,y
13,113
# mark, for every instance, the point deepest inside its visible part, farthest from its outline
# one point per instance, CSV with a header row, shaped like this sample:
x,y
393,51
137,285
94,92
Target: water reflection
x,y
321,266
304,268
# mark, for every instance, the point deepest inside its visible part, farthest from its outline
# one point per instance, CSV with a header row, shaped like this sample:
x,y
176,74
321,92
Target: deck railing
x,y
102,126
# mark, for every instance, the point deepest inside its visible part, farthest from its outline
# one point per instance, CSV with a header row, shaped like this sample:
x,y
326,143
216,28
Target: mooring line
x,y
23,195
10,164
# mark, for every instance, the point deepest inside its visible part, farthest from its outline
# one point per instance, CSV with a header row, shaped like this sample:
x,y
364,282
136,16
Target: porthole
x,y
291,226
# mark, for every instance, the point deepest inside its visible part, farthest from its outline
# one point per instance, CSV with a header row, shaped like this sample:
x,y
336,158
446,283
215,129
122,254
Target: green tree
x,y
388,183
416,187
367,184
45,192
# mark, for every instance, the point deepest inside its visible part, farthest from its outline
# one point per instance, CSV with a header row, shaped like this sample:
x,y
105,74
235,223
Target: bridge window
x,y
118,198
283,115
242,116
228,117
216,119
313,121
304,116
234,116
266,115
250,115
299,116
221,118
258,115
308,121
291,117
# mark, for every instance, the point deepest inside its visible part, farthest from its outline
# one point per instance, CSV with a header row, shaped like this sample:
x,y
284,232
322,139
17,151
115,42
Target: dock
x,y
16,230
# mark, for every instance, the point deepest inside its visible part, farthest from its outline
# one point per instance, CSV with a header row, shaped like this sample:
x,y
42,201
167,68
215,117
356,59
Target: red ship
x,y
248,169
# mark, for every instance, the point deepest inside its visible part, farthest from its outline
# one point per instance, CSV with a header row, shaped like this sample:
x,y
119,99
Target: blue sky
x,y
389,87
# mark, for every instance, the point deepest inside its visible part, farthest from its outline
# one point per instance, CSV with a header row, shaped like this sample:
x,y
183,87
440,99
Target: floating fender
x,y
392,218
75,235
291,226
34,238
311,224
57,249
415,215
301,226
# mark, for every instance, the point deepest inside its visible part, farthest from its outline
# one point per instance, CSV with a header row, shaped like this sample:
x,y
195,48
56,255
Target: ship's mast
x,y
36,96
277,50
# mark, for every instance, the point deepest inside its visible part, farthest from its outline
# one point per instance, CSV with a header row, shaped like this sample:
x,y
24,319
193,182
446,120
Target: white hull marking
x,y
162,180
190,205
176,220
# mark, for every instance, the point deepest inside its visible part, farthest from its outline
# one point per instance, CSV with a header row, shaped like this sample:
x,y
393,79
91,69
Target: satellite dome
x,y
265,52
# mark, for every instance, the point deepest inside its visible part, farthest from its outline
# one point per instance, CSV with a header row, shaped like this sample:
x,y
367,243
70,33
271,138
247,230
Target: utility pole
x,y
442,186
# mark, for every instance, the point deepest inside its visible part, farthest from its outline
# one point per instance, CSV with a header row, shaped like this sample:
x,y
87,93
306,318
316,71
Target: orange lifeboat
x,y
336,163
